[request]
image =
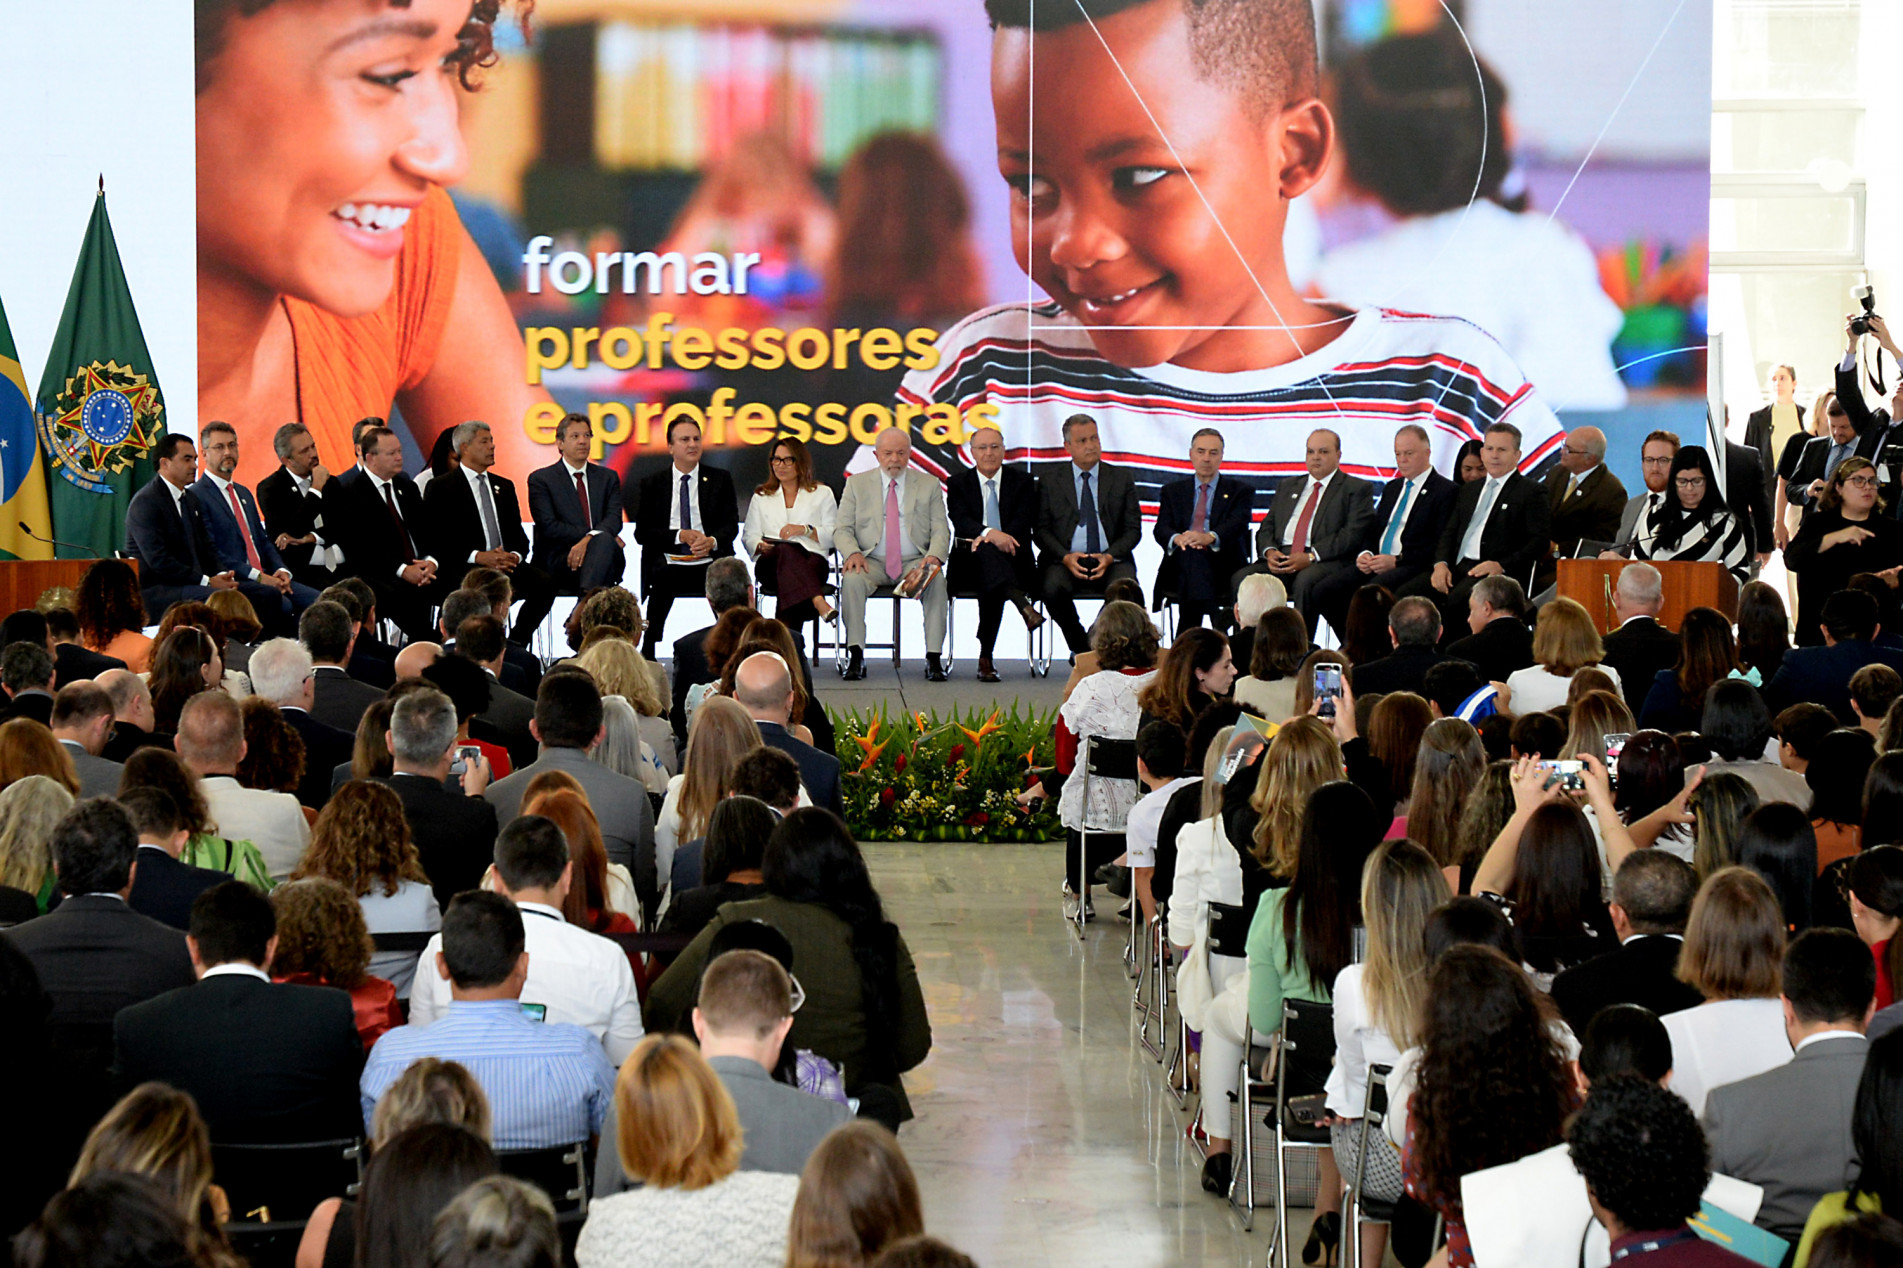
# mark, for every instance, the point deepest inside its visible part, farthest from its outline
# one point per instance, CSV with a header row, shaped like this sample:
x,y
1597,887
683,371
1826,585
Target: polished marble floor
x,y
1044,1134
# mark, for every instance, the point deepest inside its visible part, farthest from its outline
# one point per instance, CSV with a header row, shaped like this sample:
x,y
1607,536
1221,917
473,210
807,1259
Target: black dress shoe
x,y
855,665
987,672
934,668
1217,1170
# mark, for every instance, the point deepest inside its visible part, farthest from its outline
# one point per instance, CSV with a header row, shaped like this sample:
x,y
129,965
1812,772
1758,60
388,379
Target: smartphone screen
x,y
1615,745
535,1012
1327,688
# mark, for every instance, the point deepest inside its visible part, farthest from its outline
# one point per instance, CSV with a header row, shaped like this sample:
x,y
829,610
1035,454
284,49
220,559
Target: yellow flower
x,y
977,737
872,750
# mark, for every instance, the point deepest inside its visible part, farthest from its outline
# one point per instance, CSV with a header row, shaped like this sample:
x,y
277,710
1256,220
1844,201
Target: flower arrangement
x,y
929,778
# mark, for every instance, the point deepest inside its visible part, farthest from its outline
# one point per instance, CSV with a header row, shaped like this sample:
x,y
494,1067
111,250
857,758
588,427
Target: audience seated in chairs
x,y
722,734
500,1222
857,1196
1733,950
322,941
410,1180
205,847
1651,901
155,1132
730,860
765,774
111,1220
29,807
601,898
362,843
211,742
162,887
1278,647
449,836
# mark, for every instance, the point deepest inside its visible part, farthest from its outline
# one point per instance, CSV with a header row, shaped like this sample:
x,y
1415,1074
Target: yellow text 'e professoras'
x,y
691,348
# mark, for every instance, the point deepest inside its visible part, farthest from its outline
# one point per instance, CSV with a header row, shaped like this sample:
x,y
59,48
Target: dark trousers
x,y
998,579
661,586
1453,604
1060,593
1103,847
602,564
278,612
535,590
1200,595
408,605
1331,598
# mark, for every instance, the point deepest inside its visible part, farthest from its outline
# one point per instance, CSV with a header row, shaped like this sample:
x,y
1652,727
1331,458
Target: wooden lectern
x,y
22,581
1687,586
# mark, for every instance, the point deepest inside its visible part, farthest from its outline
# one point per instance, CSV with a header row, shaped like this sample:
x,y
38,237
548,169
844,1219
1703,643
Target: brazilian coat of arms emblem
x,y
104,419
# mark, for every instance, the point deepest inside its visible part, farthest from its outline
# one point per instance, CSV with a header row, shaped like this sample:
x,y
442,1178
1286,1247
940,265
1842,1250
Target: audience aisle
x,y
1044,1134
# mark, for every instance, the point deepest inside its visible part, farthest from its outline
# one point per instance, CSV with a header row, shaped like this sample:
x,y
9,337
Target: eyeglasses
x,y
782,457
1656,462
1861,481
1690,482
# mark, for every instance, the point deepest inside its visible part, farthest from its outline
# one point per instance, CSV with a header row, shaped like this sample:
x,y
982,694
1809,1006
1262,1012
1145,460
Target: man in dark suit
x,y
764,687
686,511
283,672
1876,429
26,671
1744,494
353,473
993,513
81,720
1402,536
1651,901
728,586
509,715
386,534
1315,527
72,662
455,833
1414,625
133,725
371,660
165,531
478,524
267,1063
1583,497
521,668
1088,526
1202,524
162,887
575,506
1820,455
1500,525
236,530
337,699
1640,647
1500,641
1818,674
292,499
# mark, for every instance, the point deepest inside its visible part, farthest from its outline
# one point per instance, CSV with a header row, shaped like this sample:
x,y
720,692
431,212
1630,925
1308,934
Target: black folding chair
x,y
1363,1209
1298,1059
274,1188
561,1171
1101,758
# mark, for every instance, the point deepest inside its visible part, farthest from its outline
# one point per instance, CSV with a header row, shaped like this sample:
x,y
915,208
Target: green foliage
x,y
923,777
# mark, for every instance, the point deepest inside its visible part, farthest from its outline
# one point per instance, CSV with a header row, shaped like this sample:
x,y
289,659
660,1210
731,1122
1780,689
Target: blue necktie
x,y
1394,522
992,519
687,513
1837,454
1087,507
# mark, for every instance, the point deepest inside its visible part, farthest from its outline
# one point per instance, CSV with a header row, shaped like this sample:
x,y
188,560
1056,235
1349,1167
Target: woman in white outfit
x,y
1734,953
1103,705
789,533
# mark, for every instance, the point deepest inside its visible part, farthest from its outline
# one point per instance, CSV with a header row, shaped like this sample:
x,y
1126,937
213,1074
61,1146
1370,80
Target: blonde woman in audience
x,y
1450,764
1301,758
1565,641
1275,662
720,735
1586,681
1594,716
1733,953
1719,806
29,808
155,1131
619,669
679,1139
497,1222
623,750
856,1197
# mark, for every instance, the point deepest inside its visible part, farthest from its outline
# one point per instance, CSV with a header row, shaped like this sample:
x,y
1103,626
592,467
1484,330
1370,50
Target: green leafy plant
x,y
926,777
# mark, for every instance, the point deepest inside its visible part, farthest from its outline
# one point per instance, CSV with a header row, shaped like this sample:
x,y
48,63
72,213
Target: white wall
x,y
90,87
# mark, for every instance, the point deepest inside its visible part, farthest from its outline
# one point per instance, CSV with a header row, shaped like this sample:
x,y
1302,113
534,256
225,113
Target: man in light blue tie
x,y
1408,521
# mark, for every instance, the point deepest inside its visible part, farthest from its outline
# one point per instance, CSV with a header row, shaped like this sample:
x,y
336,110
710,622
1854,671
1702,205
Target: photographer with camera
x,y
1878,437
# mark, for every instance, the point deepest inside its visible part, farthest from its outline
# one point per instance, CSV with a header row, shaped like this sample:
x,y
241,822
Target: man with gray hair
x,y
1501,642
1414,625
1585,498
292,502
454,831
763,686
729,585
477,523
1640,647
210,740
1259,593
282,672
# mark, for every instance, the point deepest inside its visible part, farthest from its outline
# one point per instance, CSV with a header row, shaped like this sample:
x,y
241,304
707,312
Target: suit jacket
x,y
455,835
98,776
1517,531
1745,495
1420,536
456,520
508,717
1591,514
30,704
373,548
1504,645
73,663
1757,435
1640,972
1638,650
1338,528
95,956
690,670
1231,504
620,803
1788,1129
1870,424
1822,675
339,700
167,538
819,772
222,528
655,498
267,1063
127,739
556,511
1115,492
297,514
324,747
1403,669
164,888
860,528
373,671
1017,517
1629,518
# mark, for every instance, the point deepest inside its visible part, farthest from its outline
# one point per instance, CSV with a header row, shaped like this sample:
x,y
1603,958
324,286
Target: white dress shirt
x,y
768,513
906,549
1313,493
322,551
674,477
1483,510
233,968
593,510
1404,510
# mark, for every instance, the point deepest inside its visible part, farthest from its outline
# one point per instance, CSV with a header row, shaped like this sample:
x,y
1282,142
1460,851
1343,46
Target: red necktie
x,y
1300,543
244,530
409,547
581,495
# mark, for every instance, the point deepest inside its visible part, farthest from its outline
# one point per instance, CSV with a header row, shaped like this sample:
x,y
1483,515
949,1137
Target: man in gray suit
x,y
1788,1129
1655,458
745,1010
1315,527
1088,526
568,724
81,722
894,537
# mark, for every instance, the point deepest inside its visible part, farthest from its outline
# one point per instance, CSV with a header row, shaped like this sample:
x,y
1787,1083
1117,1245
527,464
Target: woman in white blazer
x,y
1734,953
789,533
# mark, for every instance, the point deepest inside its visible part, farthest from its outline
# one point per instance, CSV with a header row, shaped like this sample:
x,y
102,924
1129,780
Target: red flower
x,y
898,764
887,796
977,820
957,752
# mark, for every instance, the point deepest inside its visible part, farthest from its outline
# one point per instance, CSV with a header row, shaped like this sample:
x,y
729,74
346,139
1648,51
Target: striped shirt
x,y
548,1083
1384,370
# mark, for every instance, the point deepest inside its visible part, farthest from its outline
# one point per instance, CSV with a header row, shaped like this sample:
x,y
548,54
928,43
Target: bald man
x,y
763,686
1315,526
993,510
211,741
1586,499
893,537
416,657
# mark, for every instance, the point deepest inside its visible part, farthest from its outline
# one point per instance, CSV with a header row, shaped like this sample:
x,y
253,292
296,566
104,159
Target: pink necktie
x,y
244,530
893,547
1199,522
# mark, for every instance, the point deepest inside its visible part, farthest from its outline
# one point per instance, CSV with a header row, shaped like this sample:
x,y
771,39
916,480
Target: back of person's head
x,y
1874,688
1655,890
1394,738
108,1220
1651,773
430,1090
26,666
326,628
1778,843
678,1127
1641,1152
1869,1240
1213,718
1874,884
1849,614
1839,765
1625,1039
745,994
154,1131
1556,877
568,710
78,703
857,1195
921,1252
1447,684
211,732
278,669
1415,113
461,605
463,682
497,1222
94,846
1414,621
737,834
1734,939
1401,885
1829,977
812,857
1281,643
482,939
1258,594
769,775
1504,595
1719,806
1469,921
1161,747
1735,722
233,923
153,811
1882,801
409,1180
1876,1124
480,638
1340,828
422,727
727,584
322,933
344,597
1123,636
1803,725
1539,734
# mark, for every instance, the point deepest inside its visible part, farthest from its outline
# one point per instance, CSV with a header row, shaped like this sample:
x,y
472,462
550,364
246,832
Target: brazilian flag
x,y
99,407
22,477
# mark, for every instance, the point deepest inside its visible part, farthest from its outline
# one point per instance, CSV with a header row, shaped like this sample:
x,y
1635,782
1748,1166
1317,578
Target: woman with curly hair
x,y
28,748
185,663
29,807
362,841
111,614
721,734
615,606
1493,1083
1104,706
600,894
273,750
619,669
155,1131
162,769
322,941
1301,758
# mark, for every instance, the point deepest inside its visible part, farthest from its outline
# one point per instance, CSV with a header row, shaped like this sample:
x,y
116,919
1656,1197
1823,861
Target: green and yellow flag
x,y
99,408
22,477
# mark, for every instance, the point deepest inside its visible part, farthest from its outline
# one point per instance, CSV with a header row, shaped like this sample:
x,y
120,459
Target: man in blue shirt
x,y
548,1083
